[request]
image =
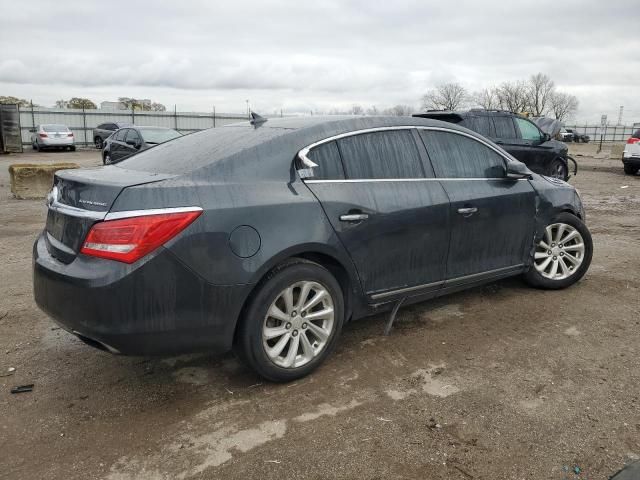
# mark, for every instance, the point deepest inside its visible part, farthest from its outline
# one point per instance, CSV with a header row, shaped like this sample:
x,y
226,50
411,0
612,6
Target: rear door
x,y
391,216
536,153
117,149
492,216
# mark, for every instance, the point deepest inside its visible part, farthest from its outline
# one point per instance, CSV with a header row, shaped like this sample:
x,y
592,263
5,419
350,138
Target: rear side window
x,y
457,156
527,129
504,127
327,157
390,154
480,124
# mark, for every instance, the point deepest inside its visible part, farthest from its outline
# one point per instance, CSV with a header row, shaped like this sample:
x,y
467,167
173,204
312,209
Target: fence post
x,y
133,113
84,126
214,116
33,117
175,116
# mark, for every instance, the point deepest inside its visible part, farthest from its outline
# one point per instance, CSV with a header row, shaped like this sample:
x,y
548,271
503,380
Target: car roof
x,y
237,150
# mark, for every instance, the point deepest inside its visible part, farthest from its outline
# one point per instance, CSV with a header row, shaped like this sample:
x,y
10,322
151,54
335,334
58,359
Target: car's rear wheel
x,y
292,322
558,169
98,142
630,169
563,255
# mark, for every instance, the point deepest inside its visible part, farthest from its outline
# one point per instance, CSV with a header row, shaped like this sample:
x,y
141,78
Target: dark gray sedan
x,y
130,140
268,237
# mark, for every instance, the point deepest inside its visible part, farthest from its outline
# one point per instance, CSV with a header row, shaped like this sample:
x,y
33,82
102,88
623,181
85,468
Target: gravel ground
x,y
499,382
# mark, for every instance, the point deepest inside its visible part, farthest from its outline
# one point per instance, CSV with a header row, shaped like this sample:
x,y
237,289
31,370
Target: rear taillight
x,y
43,135
129,239
70,134
633,140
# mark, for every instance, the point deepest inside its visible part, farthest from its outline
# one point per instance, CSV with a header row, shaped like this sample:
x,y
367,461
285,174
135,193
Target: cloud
x,y
315,55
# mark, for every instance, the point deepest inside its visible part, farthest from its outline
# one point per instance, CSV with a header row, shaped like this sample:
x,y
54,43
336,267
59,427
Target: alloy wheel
x,y
298,324
560,252
559,171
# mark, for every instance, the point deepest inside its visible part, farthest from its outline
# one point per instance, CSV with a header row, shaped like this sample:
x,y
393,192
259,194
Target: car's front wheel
x,y
98,143
558,169
292,322
106,159
630,169
563,255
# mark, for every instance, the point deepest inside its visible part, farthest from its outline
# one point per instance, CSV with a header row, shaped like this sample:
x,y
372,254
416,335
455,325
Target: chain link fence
x,y
82,122
607,133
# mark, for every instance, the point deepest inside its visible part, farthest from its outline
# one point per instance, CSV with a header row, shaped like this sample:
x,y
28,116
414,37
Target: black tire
x,y
249,344
558,169
536,279
33,145
73,148
98,143
106,156
630,169
36,147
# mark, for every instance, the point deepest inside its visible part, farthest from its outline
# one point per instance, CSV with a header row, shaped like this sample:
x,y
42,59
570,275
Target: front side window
x,y
381,155
504,127
119,135
458,156
327,157
528,130
133,137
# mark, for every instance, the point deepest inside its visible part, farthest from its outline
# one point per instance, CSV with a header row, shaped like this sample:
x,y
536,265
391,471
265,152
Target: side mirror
x,y
517,170
132,142
546,137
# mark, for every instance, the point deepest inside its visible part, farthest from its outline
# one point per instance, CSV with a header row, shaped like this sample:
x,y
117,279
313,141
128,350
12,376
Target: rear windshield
x,y
158,135
55,128
637,134
191,152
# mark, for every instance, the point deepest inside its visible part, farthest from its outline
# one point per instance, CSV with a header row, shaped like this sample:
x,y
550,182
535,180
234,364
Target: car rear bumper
x,y
157,306
56,142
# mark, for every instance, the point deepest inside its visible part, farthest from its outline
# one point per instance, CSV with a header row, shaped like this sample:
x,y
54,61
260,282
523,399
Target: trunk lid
x,y
80,198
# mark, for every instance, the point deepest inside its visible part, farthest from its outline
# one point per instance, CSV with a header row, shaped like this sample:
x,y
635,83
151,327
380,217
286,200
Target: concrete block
x,y
33,180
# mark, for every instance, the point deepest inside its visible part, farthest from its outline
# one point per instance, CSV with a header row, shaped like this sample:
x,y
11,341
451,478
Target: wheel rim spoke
x,y
560,252
298,324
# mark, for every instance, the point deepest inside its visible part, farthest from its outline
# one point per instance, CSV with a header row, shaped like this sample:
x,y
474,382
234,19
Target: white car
x,y
631,154
50,135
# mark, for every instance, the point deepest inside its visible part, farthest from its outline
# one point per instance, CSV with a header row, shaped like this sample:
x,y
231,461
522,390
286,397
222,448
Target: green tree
x,y
20,101
77,102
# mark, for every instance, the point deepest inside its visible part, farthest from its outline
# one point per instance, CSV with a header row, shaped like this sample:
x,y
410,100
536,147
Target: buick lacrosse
x,y
267,236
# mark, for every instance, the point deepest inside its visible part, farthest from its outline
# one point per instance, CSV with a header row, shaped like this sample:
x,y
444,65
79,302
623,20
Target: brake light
x,y
129,239
633,140
43,135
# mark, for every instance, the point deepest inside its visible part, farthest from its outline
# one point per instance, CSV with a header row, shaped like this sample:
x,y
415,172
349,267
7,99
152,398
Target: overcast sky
x,y
300,56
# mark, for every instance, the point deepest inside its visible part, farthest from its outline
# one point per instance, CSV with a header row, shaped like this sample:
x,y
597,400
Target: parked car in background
x,y
631,154
104,130
516,134
52,136
267,238
571,135
127,141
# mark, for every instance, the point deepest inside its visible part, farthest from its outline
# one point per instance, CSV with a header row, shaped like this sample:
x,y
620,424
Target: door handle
x,y
467,211
354,217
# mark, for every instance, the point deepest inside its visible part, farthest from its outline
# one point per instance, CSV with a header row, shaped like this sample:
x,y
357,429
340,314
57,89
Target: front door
x,y
492,216
392,218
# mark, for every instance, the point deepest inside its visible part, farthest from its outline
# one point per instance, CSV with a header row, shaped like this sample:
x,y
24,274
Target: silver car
x,y
51,135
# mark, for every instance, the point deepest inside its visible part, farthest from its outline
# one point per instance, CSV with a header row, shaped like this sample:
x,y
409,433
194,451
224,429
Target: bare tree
x,y
563,105
541,89
373,110
447,96
486,98
399,111
357,110
513,96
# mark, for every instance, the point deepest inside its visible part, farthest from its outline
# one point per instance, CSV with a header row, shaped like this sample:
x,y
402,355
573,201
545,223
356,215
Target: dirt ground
x,y
499,382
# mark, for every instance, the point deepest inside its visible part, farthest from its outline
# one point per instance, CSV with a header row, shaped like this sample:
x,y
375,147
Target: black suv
x,y
516,134
104,130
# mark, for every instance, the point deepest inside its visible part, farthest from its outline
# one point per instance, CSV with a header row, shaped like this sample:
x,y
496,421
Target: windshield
x,y
190,152
55,128
159,135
